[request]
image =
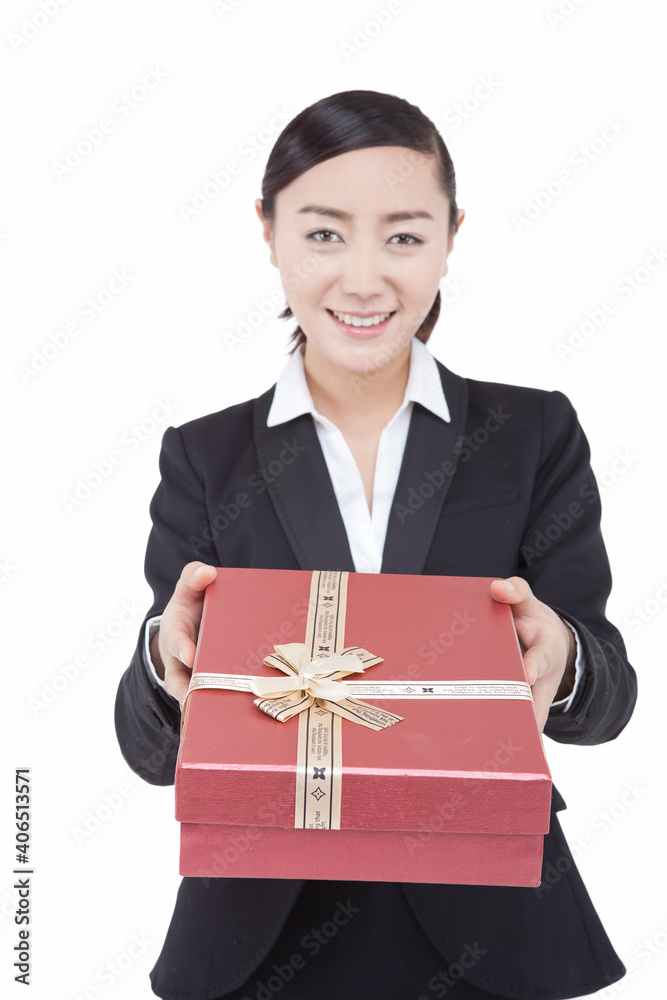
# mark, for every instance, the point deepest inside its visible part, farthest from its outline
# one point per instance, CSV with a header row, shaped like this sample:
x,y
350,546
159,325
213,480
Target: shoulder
x,y
237,416
538,425
219,437
525,402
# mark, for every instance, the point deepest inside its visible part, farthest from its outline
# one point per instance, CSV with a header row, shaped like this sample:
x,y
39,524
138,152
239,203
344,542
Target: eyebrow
x,y
336,213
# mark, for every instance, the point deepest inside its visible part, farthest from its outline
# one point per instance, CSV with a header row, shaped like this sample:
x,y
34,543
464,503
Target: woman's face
x,y
361,241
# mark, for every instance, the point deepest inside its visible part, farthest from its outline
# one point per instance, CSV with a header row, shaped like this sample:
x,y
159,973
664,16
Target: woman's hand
x,y
548,644
173,648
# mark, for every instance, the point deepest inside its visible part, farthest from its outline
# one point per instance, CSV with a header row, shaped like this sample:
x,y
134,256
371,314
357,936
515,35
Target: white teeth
x,y
361,320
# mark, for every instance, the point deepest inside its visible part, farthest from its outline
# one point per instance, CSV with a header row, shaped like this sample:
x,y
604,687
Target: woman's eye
x,y
323,236
406,239
327,236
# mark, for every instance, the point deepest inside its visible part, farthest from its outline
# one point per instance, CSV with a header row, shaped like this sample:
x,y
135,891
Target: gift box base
x,y
215,851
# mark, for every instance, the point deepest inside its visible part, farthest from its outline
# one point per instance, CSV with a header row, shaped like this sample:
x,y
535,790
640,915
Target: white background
x,y
165,337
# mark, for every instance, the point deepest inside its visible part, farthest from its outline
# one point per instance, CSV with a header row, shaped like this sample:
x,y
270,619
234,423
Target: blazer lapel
x,y
305,502
301,491
429,462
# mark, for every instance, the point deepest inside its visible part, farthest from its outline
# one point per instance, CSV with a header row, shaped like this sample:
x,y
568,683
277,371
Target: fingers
x,y
544,690
542,698
178,654
543,643
176,679
536,663
179,626
525,610
177,650
178,631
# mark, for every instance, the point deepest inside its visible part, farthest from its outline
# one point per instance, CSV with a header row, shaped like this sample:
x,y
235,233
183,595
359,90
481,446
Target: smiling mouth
x,y
361,321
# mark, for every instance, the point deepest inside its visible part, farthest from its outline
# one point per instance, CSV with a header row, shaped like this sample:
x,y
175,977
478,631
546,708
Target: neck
x,y
344,396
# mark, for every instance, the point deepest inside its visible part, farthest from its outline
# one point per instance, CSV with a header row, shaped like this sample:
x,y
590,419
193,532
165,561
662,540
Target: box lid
x,y
474,766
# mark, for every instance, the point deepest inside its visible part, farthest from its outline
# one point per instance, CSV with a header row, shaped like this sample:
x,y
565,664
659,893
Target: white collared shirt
x,y
366,530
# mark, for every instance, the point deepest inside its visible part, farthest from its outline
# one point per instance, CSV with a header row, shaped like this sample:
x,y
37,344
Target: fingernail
x,y
509,586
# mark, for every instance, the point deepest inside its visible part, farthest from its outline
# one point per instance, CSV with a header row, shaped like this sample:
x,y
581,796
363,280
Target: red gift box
x,y
458,791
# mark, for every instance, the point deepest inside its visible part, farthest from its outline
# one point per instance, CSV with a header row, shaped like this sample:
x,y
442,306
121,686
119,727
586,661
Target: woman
x,y
369,455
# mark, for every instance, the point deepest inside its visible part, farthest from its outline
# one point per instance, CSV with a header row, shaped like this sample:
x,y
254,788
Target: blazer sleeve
x,y
564,560
147,718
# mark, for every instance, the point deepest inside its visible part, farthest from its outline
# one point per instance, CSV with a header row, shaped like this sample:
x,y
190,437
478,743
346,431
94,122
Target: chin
x,y
369,357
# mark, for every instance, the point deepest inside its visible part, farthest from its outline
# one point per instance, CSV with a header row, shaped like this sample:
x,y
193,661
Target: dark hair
x,y
355,119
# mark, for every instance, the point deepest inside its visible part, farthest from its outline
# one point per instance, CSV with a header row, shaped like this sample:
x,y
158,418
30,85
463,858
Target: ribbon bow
x,y
316,681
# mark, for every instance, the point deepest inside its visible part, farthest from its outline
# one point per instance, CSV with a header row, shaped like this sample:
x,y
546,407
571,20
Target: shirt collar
x,y
292,396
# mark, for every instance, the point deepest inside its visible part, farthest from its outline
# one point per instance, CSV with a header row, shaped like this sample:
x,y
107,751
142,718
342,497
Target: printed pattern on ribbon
x,y
319,771
468,690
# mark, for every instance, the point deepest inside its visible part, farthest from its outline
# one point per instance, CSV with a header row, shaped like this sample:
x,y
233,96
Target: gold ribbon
x,y
316,682
309,682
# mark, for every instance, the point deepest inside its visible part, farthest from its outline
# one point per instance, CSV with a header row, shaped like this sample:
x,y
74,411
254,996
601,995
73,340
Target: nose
x,y
362,275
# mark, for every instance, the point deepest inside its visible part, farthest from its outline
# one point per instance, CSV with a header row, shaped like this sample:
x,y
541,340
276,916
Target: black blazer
x,y
504,489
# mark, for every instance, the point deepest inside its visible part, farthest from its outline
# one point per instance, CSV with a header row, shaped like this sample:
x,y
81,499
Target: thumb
x,y
513,590
195,578
200,575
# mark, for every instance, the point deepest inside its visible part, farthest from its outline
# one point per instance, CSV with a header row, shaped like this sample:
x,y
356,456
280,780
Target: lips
x,y
353,319
361,327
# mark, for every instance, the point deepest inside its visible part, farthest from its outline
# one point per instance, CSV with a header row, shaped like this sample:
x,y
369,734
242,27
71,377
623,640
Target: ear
x,y
268,228
450,245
